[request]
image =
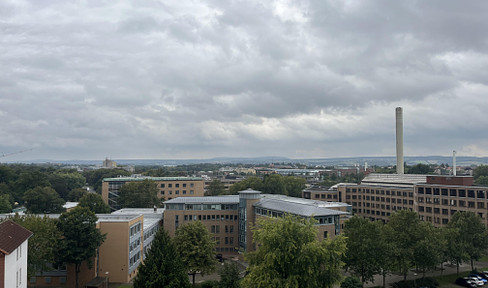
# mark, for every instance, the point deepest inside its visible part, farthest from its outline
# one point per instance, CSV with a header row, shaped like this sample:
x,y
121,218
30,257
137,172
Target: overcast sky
x,y
201,79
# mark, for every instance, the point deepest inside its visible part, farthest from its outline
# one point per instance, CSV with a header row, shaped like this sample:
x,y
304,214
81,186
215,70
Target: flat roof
x,y
310,209
128,179
394,179
223,199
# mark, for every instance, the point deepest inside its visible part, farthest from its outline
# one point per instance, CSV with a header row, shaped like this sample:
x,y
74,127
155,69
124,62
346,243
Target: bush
x,y
208,284
351,282
417,283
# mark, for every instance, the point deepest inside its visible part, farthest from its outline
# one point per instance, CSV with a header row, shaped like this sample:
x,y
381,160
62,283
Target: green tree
x,y
76,194
94,202
455,250
43,244
482,181
229,276
63,182
290,255
362,248
163,266
479,171
216,187
473,236
140,194
428,249
274,184
94,178
5,206
196,247
351,282
29,179
294,185
80,238
420,169
404,233
252,182
43,200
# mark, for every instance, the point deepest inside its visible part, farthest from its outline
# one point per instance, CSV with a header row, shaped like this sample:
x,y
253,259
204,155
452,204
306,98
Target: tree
x,y
455,250
253,182
80,237
76,194
5,206
229,276
428,249
196,247
216,187
43,200
273,184
482,181
362,248
94,202
420,169
473,236
290,255
63,182
479,171
43,244
94,178
404,233
351,282
294,185
163,266
141,194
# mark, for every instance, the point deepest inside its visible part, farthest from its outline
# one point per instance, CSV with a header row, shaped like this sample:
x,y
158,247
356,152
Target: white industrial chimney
x,y
454,162
399,140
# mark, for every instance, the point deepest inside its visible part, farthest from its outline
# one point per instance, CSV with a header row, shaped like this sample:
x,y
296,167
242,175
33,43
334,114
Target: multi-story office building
x,y
328,194
230,218
169,187
435,198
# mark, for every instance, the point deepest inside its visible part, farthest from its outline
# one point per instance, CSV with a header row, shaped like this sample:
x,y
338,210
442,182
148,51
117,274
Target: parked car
x,y
465,282
477,281
479,277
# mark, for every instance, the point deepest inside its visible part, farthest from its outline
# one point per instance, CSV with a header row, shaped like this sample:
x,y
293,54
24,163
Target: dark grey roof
x,y
299,206
225,199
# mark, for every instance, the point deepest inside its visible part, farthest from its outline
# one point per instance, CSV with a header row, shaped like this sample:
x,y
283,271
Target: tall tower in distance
x,y
399,140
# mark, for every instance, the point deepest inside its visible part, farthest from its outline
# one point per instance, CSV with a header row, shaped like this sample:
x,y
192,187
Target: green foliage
x,y
272,184
294,185
351,282
63,182
80,237
417,283
290,255
139,194
43,244
229,276
43,200
403,233
94,202
196,247
94,178
253,182
472,234
428,251
5,206
420,169
76,194
482,181
209,284
163,266
216,187
479,171
362,257
29,179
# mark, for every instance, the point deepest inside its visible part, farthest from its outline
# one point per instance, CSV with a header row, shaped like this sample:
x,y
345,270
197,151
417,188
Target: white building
x,y
13,255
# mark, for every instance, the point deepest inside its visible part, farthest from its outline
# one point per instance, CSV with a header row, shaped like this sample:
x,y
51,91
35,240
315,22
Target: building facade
x,y
13,255
168,188
230,218
435,198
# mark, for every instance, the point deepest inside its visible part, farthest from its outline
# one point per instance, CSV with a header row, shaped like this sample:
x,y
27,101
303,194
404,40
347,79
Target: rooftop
x,y
128,179
12,235
394,179
223,199
299,207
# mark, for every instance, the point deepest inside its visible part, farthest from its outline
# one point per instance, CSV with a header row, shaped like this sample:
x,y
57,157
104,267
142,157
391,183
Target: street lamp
x,y
106,279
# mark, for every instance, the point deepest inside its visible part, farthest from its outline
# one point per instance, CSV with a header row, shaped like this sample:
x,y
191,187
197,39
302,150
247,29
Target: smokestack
x,y
399,139
454,162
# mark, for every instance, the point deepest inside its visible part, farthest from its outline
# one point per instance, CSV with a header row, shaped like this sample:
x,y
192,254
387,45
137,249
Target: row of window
x,y
216,229
479,194
326,196
177,192
134,245
378,206
177,185
381,192
209,217
227,240
217,207
47,280
135,229
133,260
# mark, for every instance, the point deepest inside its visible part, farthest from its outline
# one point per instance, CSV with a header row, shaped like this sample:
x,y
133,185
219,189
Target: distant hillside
x,y
343,161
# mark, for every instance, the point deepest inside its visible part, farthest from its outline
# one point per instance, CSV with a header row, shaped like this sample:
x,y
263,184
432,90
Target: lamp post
x,y
106,279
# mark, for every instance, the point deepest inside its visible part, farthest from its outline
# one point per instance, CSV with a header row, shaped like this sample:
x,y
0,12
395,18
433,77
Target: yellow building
x,y
169,188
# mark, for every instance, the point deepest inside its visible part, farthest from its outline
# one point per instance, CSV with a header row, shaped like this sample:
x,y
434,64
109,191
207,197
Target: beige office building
x,y
435,198
168,188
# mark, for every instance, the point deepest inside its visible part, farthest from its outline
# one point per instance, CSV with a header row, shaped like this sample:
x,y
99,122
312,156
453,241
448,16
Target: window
x,y
177,185
326,234
19,252
170,185
191,184
191,192
184,185
162,185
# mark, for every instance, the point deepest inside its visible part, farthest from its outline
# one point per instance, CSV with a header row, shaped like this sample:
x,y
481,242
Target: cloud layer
x,y
200,79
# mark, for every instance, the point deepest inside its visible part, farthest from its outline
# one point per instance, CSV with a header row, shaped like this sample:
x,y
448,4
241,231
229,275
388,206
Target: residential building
x,y
168,188
13,254
229,218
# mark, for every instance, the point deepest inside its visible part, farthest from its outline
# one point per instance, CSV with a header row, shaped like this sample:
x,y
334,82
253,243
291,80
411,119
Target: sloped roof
x,y
12,235
299,206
